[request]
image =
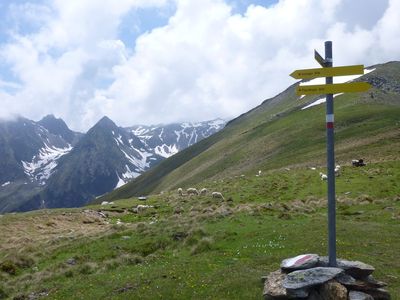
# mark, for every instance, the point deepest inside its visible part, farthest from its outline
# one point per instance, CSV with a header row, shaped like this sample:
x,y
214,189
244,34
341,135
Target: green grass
x,y
219,249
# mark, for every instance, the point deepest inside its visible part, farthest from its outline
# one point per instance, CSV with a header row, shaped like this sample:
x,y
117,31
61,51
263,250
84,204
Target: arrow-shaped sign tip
x,y
293,74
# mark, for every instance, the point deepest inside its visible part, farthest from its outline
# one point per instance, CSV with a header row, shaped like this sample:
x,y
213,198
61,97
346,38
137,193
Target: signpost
x,y
329,89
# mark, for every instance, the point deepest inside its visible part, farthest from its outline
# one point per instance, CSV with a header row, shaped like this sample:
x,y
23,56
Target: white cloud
x,y
206,62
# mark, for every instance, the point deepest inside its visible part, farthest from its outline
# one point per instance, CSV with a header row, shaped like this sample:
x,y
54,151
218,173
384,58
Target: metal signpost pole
x,y
329,89
330,163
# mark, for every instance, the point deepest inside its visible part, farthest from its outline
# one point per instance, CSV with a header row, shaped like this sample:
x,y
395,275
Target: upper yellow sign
x,y
328,72
332,88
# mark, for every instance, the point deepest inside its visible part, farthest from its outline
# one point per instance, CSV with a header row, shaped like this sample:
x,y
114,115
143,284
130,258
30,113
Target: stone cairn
x,y
309,276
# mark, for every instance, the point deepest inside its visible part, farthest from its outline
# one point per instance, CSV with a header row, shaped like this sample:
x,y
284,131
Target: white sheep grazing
x,y
180,192
259,172
192,191
104,203
323,176
203,191
141,208
217,195
337,170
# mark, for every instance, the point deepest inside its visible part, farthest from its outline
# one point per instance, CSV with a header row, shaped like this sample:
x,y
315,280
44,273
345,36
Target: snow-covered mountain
x,y
30,150
49,165
29,153
167,140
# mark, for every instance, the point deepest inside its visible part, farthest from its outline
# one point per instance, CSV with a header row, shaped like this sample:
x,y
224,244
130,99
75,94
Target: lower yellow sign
x,y
332,88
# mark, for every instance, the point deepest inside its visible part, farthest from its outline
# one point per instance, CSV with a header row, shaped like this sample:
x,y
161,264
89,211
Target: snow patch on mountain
x,y
217,123
126,176
129,174
120,182
141,163
140,131
6,183
166,150
43,164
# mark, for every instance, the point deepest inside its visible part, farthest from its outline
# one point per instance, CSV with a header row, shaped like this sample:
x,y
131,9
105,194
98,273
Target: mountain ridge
x,y
66,168
259,139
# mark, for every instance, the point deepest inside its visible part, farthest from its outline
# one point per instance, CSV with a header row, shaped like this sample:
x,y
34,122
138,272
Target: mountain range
x,y
45,164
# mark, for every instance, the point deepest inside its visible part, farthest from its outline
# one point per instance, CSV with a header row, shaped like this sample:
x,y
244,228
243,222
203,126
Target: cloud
x,y
206,62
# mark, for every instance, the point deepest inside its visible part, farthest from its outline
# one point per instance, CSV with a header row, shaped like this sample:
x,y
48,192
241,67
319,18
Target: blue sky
x,y
160,61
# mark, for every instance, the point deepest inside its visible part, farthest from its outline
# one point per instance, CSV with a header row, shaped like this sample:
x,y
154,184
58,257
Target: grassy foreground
x,y
200,247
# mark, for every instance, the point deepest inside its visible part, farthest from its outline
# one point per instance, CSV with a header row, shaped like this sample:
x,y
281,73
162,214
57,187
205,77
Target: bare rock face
x,y
300,262
345,279
333,290
355,295
310,277
273,285
298,293
379,294
356,269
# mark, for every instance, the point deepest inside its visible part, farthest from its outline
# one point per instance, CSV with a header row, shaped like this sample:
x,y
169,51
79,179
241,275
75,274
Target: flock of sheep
x,y
203,192
354,162
218,195
325,177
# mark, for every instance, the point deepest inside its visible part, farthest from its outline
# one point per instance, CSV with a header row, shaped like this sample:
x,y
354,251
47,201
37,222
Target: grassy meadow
x,y
203,248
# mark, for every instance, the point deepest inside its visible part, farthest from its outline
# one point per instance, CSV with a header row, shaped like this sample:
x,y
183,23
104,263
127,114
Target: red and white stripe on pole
x,y
329,121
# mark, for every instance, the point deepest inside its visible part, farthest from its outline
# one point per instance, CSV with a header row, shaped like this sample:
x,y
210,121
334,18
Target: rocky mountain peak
x,y
57,126
105,122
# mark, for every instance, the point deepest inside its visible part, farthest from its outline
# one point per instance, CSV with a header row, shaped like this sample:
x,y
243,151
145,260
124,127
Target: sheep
x,y
192,191
358,162
180,192
337,170
217,195
203,191
323,176
104,203
141,208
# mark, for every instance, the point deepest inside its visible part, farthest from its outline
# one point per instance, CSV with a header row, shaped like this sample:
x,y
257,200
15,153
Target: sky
x,y
164,61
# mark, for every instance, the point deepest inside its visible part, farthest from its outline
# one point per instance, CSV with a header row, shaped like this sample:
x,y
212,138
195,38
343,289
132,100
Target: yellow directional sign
x,y
328,72
332,88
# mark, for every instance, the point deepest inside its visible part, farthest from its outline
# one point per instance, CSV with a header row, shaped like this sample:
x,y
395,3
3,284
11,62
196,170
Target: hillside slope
x,y
279,133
